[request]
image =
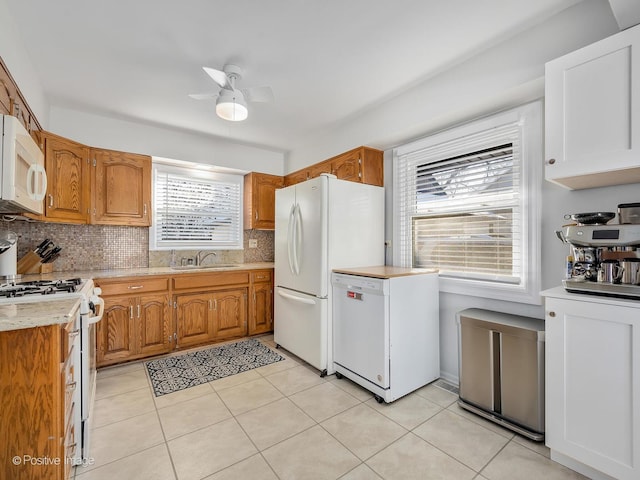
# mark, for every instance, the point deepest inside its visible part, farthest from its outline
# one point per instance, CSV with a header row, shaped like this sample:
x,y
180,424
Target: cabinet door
x,y
315,170
121,188
261,308
296,177
229,313
194,319
154,325
116,340
592,114
347,166
68,180
260,200
593,384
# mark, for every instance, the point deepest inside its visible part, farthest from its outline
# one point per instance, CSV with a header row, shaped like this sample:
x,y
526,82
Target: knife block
x,y
30,263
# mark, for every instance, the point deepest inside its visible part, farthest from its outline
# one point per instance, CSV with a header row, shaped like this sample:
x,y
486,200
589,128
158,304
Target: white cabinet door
x,y
592,114
593,385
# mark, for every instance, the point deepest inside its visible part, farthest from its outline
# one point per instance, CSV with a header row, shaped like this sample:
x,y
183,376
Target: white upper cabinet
x,y
592,114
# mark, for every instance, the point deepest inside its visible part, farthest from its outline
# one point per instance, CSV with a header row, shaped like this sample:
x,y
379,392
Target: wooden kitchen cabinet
x,y
115,338
229,313
37,383
210,306
68,180
194,319
261,302
89,185
155,329
362,165
593,383
592,114
121,186
134,325
260,200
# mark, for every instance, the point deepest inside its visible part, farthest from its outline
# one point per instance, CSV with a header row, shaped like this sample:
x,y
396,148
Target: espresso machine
x,y
604,259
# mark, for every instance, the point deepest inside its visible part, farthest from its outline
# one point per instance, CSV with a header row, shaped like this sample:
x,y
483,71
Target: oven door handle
x,y
98,301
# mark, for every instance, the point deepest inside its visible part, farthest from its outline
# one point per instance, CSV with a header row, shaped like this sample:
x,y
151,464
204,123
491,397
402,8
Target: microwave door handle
x,y
34,170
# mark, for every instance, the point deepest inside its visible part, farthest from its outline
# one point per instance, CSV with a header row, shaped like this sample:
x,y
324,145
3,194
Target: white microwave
x,y
23,180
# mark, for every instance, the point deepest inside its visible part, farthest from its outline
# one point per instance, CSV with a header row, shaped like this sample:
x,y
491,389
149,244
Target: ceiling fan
x,y
231,102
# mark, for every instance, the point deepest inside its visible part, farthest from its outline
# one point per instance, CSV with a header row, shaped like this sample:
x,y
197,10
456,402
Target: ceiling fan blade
x,y
258,94
218,76
203,96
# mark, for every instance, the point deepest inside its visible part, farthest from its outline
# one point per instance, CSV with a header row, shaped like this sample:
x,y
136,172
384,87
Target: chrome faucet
x,y
199,258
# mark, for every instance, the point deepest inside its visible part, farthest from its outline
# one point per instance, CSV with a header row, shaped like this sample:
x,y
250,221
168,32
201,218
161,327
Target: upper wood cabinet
x,y
96,186
12,102
121,184
260,200
362,164
68,180
592,114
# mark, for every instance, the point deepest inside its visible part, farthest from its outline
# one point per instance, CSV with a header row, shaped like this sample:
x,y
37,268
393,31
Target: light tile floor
x,y
283,421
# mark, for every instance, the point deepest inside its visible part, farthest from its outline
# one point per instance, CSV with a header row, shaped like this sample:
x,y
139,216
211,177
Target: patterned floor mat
x,y
172,374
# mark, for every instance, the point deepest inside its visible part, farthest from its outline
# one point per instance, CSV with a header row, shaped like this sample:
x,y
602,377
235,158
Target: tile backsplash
x,y
105,247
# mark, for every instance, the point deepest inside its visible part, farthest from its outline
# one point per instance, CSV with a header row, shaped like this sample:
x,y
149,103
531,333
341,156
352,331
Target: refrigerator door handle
x,y
290,233
298,238
307,301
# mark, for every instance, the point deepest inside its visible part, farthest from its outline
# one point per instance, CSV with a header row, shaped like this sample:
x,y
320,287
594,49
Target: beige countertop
x,y
385,271
148,271
29,312
15,316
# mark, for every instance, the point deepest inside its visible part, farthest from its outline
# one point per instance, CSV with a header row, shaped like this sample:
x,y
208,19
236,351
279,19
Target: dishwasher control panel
x,y
356,284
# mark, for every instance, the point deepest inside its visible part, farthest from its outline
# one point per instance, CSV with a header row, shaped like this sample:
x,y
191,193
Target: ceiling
x,y
326,61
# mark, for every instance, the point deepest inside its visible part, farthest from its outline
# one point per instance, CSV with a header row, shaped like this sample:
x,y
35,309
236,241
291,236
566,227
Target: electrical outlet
x,y
253,243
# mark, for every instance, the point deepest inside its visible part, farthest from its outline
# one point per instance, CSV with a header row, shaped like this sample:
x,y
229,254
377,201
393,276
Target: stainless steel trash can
x,y
501,369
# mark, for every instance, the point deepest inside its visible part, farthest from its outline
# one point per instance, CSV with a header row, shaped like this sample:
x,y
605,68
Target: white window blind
x,y
197,209
462,203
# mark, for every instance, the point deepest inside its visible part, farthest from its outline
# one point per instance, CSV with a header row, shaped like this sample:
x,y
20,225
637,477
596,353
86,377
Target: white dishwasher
x,y
386,328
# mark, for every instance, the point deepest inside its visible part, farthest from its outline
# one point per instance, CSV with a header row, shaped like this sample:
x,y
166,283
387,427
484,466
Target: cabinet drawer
x,y
133,286
69,386
69,336
261,276
208,280
70,444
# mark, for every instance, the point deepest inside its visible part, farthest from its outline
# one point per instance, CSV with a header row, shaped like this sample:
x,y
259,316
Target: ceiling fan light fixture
x,y
231,106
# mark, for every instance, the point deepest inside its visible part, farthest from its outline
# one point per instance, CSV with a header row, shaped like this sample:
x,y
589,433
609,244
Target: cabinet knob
x,y
551,161
552,314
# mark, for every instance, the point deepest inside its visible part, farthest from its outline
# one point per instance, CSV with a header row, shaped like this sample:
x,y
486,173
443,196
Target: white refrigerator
x,y
321,224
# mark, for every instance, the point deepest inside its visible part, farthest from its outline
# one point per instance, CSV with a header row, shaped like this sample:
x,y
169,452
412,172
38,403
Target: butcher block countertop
x,y
385,271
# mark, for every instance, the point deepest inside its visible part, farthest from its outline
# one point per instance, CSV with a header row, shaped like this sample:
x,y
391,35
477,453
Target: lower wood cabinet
x,y
37,384
194,319
137,320
134,327
261,303
211,316
146,316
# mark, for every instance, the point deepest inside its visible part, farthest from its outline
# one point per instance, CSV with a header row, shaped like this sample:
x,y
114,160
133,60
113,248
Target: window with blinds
x,y
462,202
196,209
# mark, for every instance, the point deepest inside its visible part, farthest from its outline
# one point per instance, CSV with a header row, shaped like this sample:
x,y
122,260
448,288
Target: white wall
x,y
504,76
136,137
119,134
22,70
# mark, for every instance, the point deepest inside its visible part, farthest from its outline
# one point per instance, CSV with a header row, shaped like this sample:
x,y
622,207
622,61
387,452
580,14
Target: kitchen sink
x,y
206,267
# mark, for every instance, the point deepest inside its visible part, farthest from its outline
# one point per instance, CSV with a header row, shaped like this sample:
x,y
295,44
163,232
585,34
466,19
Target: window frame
x,y
203,172
529,117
